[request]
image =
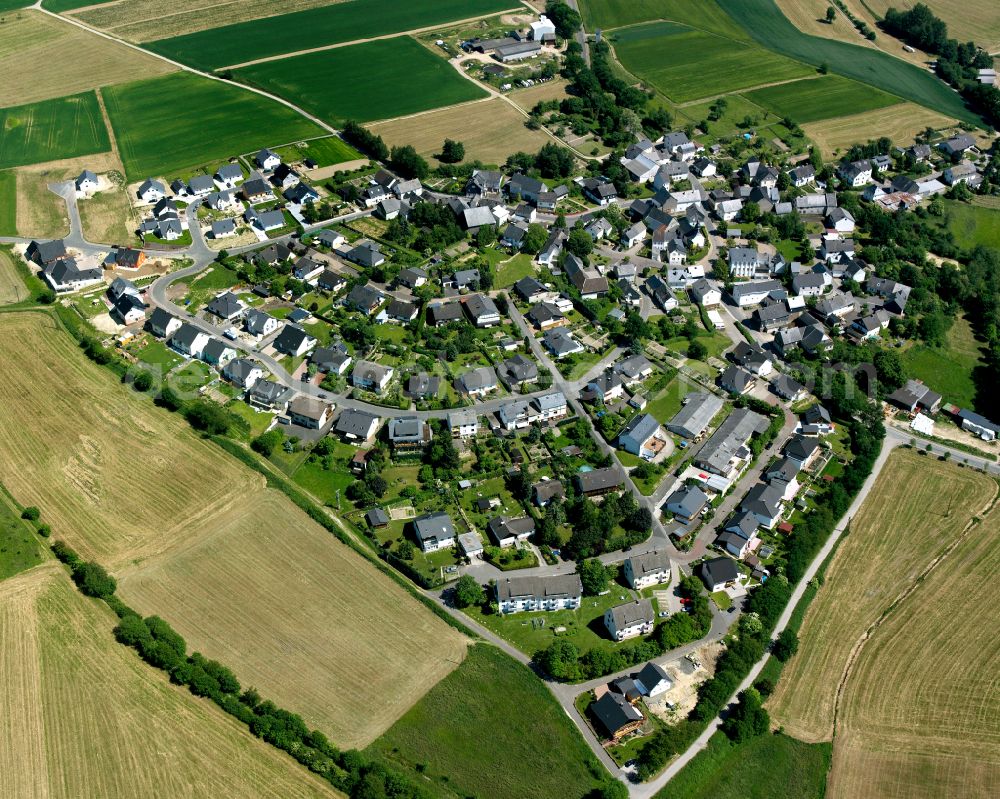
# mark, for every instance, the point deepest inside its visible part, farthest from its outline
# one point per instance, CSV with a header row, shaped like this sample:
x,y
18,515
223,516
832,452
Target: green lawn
x,y
975,222
768,26
168,123
722,600
478,733
190,377
327,151
664,406
766,767
323,483
66,127
156,353
8,203
317,27
704,14
585,629
258,420
737,109
507,274
825,97
948,369
19,546
368,81
685,64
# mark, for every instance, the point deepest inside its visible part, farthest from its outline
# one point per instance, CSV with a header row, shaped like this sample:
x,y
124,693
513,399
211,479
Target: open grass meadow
x,y
491,729
490,130
975,222
686,64
766,767
826,97
51,130
768,26
166,124
318,27
704,14
918,713
8,203
20,547
374,80
949,368
196,537
900,123
28,41
917,507
84,716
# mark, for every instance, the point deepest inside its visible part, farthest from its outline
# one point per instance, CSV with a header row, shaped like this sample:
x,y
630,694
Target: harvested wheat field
x,y
145,20
918,714
194,536
967,20
33,46
84,716
917,507
12,288
490,130
550,90
901,123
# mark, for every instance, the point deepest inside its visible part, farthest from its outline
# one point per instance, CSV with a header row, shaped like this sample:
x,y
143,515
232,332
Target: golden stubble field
x,y
490,130
901,647
35,47
84,716
901,123
919,713
146,20
196,537
915,510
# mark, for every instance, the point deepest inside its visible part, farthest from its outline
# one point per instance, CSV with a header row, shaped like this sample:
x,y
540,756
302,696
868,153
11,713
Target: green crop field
x,y
766,767
56,6
316,27
66,127
821,98
330,150
181,120
767,25
477,733
374,80
11,5
8,203
704,14
686,64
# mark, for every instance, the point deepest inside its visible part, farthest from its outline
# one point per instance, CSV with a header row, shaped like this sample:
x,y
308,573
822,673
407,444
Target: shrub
x,y
93,580
31,513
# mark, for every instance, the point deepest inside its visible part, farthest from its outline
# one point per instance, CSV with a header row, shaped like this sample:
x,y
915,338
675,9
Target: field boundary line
x,y
381,37
893,606
185,68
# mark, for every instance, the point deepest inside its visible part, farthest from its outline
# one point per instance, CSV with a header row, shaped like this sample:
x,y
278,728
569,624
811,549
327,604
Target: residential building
x,y
686,503
243,373
309,412
598,482
643,436
509,532
162,323
546,491
259,323
481,310
517,371
630,620
477,382
530,594
736,380
704,293
693,419
294,340
434,531
217,352
226,306
354,425
331,360
719,573
649,568
560,342
653,680
270,396
408,434
463,424
745,261
726,452
371,376
189,340
616,716
765,502
588,281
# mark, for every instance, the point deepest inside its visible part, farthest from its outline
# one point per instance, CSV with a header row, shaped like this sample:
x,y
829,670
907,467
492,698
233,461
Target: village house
x,y
598,482
643,436
309,412
649,568
719,573
686,503
243,373
371,376
509,532
357,426
269,396
694,417
616,716
463,423
434,531
408,435
630,620
293,340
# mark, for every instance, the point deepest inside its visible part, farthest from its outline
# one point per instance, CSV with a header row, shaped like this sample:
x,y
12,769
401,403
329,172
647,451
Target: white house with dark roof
x,y
557,592
357,426
686,503
243,373
649,568
267,160
434,531
630,620
371,376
